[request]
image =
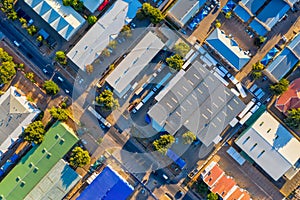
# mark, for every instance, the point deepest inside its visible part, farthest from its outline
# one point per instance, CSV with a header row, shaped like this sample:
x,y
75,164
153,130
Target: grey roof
x,y
200,102
15,113
56,184
90,46
183,10
286,60
138,59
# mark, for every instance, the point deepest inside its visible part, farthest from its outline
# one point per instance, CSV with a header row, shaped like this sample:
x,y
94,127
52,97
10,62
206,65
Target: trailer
x,y
221,79
253,87
138,107
223,69
236,93
232,78
258,92
162,82
247,108
219,72
241,90
98,116
149,95
245,118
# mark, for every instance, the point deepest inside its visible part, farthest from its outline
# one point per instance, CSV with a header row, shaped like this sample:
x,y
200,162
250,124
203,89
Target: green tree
x,y
92,19
30,76
61,57
218,24
51,87
164,143
4,56
34,132
228,15
175,62
106,52
140,15
293,118
153,13
79,157
31,30
212,196
7,71
188,137
112,44
23,21
67,2
107,101
256,74
181,49
12,15
280,87
126,31
59,113
39,38
258,66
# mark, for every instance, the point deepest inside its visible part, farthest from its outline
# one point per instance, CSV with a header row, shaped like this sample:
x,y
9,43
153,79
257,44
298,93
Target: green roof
x,y
37,162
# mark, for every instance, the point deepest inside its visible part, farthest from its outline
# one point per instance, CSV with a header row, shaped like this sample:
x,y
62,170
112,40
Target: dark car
x,y
178,194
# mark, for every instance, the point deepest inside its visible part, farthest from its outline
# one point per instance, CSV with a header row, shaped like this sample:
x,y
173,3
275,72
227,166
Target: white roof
x,y
92,5
270,144
15,113
98,37
134,63
64,19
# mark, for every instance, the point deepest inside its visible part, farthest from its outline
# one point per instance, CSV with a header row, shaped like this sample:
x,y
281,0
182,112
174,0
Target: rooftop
x,y
270,144
291,98
286,60
37,162
89,48
198,95
107,185
15,114
56,183
92,5
182,11
221,184
64,19
137,60
228,49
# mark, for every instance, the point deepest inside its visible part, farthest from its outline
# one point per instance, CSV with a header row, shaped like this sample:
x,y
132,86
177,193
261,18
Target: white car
x,y
45,71
67,91
60,79
16,43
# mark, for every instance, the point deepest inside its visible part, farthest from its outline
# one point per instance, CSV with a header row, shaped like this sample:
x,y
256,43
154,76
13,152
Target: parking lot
x,y
248,177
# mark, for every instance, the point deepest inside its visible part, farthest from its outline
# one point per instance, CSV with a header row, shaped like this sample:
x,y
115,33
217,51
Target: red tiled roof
x,y
223,186
213,175
239,194
291,98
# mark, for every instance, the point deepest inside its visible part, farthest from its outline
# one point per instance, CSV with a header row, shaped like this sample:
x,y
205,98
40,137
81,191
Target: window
x,y
261,153
246,139
253,146
277,136
269,130
261,123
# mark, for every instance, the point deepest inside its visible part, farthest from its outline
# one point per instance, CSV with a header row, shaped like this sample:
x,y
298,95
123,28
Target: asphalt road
x,y
31,52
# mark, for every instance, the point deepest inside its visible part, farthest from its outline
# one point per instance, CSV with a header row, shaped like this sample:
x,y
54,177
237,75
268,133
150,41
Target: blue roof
x,y
107,186
282,64
253,5
258,27
242,13
273,12
228,49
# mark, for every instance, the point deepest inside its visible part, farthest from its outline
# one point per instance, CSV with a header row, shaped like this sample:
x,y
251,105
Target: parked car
x,y
45,71
16,43
60,79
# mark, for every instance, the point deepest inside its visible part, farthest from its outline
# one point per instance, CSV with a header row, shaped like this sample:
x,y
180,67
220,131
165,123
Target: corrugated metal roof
x,y
37,162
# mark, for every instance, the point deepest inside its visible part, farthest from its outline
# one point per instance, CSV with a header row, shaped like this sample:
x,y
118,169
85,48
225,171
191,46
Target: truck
x,y
98,116
241,90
